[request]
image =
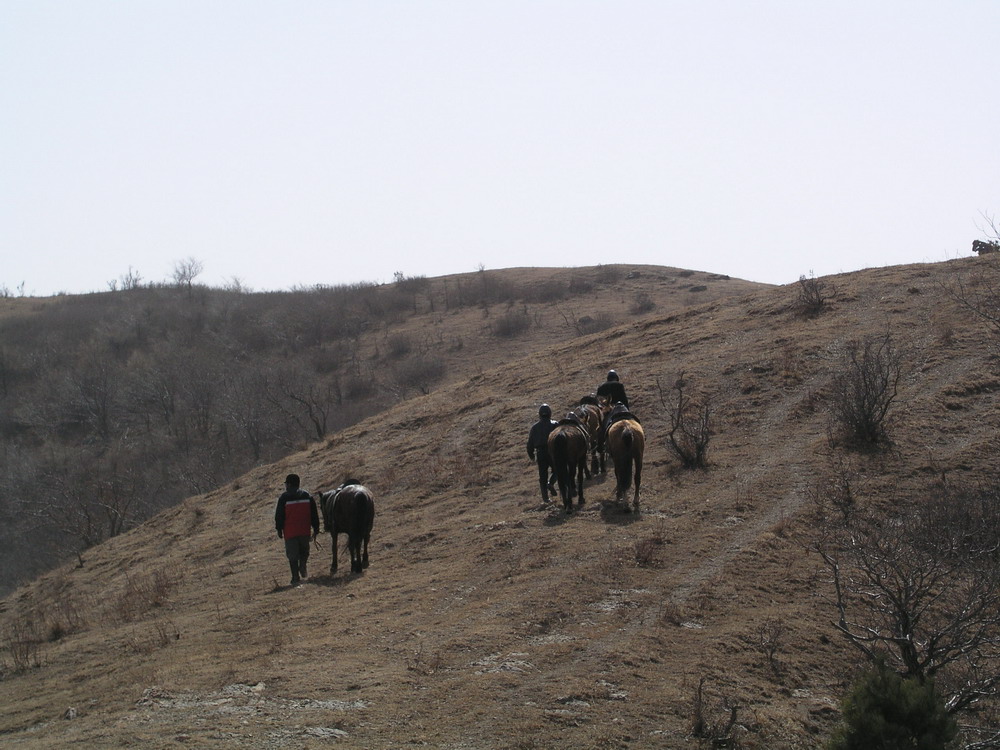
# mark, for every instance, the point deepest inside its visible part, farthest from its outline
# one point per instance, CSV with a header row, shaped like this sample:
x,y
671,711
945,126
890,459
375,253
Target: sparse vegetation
x,y
714,726
864,389
484,613
690,423
918,587
642,304
511,323
884,710
814,294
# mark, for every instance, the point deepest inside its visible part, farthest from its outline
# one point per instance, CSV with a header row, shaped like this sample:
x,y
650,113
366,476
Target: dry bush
x,y
511,323
420,373
141,594
643,303
588,325
770,639
22,642
813,296
399,345
546,291
917,586
864,389
718,729
609,274
690,424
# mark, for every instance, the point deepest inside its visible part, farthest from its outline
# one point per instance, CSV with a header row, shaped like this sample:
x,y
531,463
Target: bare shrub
x,y
609,274
141,594
399,345
917,586
690,424
813,296
643,303
546,291
980,294
835,491
864,390
512,323
420,373
357,386
588,325
719,730
770,639
23,645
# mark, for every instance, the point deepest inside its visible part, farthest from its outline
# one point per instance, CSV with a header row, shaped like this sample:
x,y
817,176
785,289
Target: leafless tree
x,y
131,280
918,587
186,271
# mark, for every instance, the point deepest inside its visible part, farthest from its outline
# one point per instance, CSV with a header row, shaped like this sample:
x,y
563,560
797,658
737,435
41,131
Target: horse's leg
x,y
638,479
352,547
581,465
364,555
333,548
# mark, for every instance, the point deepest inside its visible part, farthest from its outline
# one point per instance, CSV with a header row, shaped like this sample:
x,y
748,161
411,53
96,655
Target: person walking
x,y
538,450
294,514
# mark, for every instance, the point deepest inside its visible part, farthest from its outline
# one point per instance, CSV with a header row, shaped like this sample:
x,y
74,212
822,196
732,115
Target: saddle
x,y
571,419
622,413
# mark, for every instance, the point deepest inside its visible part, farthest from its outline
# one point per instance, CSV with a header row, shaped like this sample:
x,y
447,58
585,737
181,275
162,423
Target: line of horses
x,y
593,429
596,428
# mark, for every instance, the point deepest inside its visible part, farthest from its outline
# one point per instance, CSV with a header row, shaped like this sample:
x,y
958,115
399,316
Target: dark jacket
x,y
295,513
538,437
613,391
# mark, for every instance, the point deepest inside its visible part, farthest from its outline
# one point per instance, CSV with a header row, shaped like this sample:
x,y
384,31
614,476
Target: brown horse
x,y
626,442
349,509
592,412
568,444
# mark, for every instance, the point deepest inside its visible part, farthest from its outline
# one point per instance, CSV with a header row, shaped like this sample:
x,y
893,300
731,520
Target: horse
x,y
626,441
568,444
592,412
349,509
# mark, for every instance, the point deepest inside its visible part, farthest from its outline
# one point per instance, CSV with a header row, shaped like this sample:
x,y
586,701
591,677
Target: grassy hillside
x,y
121,404
489,620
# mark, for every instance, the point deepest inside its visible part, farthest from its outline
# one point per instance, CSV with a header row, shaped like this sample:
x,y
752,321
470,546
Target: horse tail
x,y
560,458
625,467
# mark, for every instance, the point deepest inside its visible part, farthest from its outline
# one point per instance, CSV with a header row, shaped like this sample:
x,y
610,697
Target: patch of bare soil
x,y
490,620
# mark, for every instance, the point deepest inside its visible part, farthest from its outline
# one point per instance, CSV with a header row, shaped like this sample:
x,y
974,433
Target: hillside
x,y
123,403
488,620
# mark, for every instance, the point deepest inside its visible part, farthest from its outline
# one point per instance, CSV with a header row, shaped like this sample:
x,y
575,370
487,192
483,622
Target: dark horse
x,y
626,442
349,509
568,444
592,412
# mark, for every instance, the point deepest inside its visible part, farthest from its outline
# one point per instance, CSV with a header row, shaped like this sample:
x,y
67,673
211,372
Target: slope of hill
x,y
124,403
486,619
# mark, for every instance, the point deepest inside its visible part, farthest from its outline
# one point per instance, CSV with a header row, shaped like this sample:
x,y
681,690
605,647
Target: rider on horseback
x,y
538,450
613,390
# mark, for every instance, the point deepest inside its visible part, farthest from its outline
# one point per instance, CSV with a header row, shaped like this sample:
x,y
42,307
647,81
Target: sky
x,y
288,144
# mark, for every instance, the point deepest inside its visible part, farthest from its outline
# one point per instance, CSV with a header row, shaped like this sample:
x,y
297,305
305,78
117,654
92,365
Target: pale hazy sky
x,y
299,143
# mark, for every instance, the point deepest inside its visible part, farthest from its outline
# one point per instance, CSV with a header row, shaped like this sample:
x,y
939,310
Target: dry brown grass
x,y
489,621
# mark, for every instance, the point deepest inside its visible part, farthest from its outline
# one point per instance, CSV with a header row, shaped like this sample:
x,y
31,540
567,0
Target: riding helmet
x,y
544,410
612,375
